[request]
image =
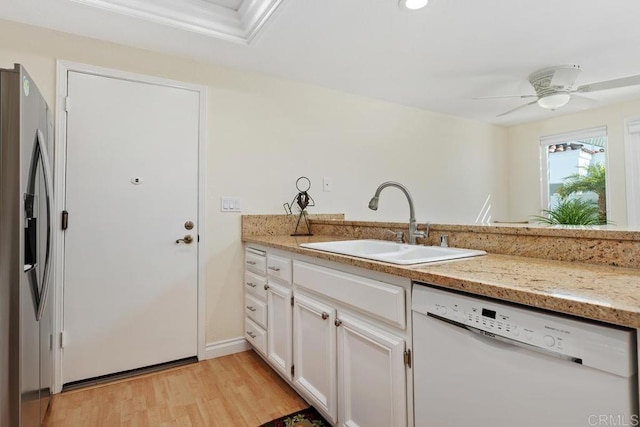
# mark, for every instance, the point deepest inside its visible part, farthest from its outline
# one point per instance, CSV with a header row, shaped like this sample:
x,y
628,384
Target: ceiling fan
x,y
554,87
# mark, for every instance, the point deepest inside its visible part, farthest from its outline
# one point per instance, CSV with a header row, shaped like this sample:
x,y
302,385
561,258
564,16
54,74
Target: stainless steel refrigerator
x,y
26,251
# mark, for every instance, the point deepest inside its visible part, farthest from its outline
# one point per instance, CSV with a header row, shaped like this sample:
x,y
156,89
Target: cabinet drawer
x,y
279,268
255,261
256,309
255,284
378,299
255,335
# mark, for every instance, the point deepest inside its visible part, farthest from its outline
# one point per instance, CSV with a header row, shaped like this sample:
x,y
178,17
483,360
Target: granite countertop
x,y
598,292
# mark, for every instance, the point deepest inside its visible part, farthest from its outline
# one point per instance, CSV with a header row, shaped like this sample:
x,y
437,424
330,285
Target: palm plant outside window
x,y
576,180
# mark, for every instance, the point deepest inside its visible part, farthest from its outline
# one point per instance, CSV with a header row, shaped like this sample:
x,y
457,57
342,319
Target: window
x,y
573,166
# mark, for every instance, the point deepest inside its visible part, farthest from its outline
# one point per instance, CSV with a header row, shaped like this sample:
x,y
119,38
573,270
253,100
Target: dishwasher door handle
x,y
507,340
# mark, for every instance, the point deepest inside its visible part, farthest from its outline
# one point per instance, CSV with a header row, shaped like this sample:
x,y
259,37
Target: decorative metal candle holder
x,y
302,199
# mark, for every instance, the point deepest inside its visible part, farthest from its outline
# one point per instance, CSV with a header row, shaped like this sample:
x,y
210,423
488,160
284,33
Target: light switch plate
x,y
230,204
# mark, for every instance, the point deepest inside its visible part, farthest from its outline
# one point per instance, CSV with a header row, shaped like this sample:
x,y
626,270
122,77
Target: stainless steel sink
x,y
395,253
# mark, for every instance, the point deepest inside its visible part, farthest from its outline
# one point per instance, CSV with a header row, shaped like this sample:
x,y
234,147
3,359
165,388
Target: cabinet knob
x,y
266,287
325,315
337,322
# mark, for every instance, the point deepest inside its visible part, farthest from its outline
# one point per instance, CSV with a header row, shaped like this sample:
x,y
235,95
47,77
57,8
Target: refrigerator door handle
x,y
46,166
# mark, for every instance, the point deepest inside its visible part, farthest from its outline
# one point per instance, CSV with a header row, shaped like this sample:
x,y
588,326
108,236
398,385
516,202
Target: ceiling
x,y
437,58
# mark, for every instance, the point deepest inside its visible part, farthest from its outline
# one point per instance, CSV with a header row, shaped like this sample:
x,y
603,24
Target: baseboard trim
x,y
226,347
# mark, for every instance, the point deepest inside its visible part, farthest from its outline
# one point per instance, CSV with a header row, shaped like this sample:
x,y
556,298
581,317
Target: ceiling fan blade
x,y
610,84
582,102
517,108
506,96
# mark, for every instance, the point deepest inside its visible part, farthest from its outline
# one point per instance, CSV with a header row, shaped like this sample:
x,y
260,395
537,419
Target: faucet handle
x,y
423,234
398,235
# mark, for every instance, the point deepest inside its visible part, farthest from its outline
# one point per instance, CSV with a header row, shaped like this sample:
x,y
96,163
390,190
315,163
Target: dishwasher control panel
x,y
554,334
537,329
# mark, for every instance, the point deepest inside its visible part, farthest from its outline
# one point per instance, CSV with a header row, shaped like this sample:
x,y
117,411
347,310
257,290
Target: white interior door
x,y
130,290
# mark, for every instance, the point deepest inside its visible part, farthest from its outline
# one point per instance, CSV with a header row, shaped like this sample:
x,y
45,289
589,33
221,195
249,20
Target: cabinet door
x,y
314,353
371,376
279,351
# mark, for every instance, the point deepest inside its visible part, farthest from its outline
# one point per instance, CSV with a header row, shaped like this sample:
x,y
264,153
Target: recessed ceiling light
x,y
413,4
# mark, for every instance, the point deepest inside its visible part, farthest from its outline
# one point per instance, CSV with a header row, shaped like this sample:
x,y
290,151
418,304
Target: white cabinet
x,y
255,335
255,301
346,361
279,323
371,375
314,338
256,309
343,341
279,351
268,312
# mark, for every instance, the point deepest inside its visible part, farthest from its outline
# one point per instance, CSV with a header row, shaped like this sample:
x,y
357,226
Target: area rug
x,y
304,418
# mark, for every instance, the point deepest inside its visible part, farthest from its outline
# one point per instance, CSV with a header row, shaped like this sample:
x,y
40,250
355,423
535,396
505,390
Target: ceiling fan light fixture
x,y
553,101
412,4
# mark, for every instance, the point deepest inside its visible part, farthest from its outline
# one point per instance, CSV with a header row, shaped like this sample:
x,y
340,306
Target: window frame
x,y
562,138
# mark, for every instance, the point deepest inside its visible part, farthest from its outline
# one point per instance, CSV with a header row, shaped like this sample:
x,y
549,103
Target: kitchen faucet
x,y
413,227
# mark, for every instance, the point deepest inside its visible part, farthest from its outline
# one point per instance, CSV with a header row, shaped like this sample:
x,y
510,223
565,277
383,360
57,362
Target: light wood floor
x,y
236,390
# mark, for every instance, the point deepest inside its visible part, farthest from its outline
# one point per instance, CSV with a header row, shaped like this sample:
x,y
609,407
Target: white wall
x,y
264,132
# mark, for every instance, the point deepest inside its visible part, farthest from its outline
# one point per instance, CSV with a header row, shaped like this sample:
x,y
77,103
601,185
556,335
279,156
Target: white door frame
x,y
631,148
63,67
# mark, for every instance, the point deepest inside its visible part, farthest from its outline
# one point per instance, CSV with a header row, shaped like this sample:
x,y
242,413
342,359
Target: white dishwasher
x,y
484,363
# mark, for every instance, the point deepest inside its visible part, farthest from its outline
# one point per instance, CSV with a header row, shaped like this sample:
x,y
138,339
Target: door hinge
x,y
198,238
407,357
293,370
292,301
67,104
63,340
65,220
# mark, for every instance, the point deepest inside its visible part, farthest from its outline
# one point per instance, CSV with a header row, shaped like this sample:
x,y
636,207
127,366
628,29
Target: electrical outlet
x,y
327,184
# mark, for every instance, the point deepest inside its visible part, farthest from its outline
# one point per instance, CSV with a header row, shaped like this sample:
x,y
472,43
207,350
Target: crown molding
x,y
199,16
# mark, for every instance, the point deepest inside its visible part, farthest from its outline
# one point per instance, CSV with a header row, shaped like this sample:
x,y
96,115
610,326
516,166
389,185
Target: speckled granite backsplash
x,y
594,246
279,225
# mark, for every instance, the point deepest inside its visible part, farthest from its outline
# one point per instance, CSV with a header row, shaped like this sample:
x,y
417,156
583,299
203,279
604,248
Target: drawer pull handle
x,y
337,322
251,262
266,287
251,334
325,315
271,267
253,285
251,308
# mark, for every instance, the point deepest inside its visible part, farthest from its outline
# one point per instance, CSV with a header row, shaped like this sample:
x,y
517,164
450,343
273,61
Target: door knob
x,y
188,239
